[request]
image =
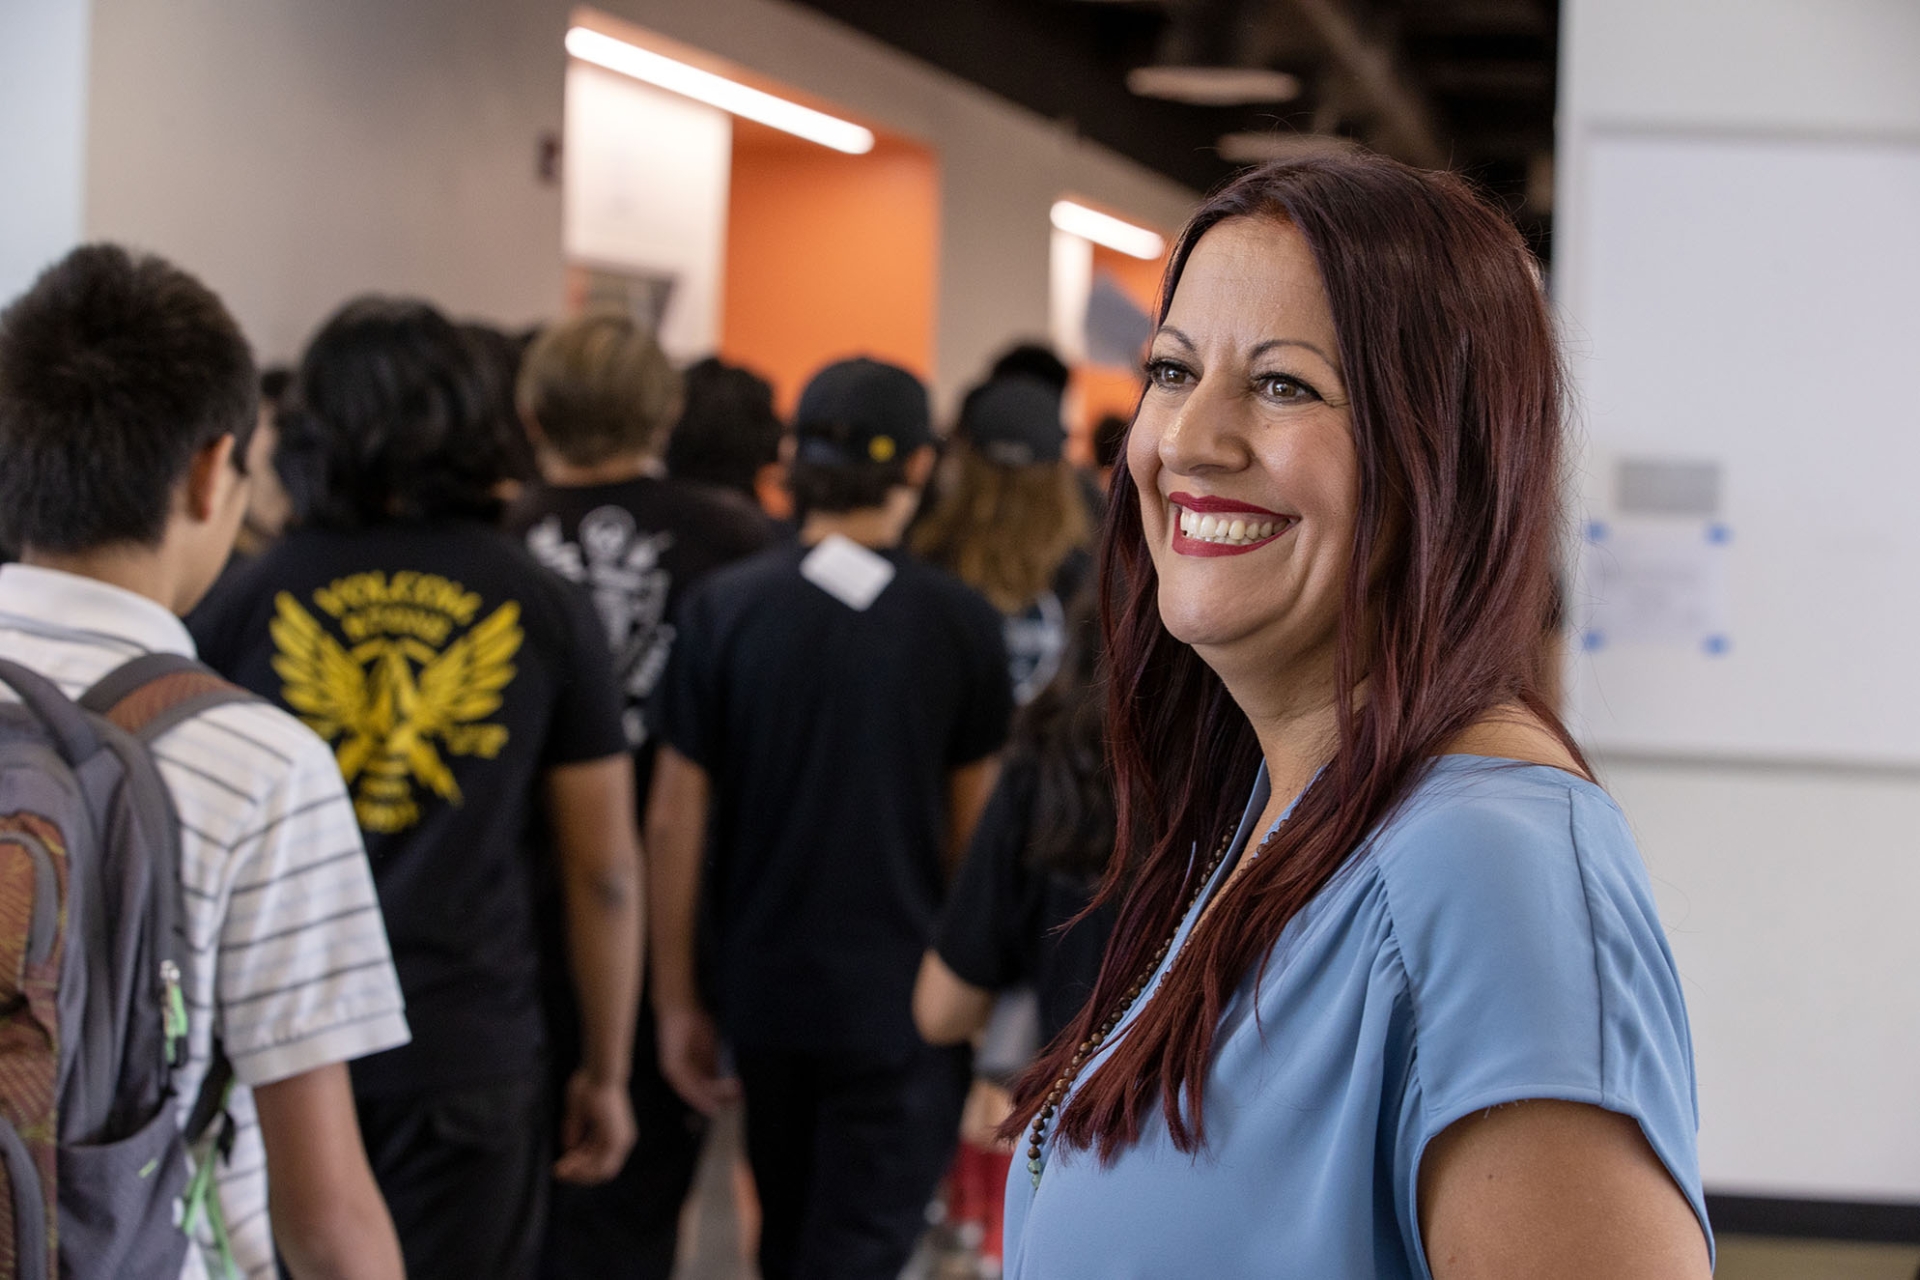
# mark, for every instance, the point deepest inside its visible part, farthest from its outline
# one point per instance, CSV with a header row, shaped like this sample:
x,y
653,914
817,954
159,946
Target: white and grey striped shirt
x,y
288,958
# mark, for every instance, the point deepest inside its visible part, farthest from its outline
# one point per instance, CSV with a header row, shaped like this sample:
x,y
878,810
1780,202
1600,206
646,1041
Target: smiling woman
x,y
1388,995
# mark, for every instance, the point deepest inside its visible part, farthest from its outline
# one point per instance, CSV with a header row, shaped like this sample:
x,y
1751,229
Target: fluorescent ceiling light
x,y
718,91
1214,86
1091,224
1259,148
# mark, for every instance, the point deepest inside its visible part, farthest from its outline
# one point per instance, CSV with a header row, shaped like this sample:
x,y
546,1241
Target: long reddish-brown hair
x,y
1454,378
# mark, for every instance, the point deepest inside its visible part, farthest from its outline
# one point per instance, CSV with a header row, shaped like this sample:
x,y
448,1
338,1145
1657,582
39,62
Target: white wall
x,y
646,188
294,152
43,109
1788,889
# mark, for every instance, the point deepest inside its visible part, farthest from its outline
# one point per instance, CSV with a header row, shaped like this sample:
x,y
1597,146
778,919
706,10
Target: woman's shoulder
x,y
1535,965
1507,853
1464,806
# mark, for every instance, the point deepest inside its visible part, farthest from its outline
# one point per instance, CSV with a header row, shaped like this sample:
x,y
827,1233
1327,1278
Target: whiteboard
x,y
1755,303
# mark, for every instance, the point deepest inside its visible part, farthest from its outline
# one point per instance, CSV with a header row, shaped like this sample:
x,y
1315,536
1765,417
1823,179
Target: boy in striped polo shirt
x,y
127,394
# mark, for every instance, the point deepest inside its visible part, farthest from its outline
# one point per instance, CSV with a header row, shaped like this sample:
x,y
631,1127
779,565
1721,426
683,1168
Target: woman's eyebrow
x,y
1262,348
1258,350
1177,336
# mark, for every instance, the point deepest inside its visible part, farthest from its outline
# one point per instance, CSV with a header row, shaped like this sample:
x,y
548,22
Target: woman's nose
x,y
1205,435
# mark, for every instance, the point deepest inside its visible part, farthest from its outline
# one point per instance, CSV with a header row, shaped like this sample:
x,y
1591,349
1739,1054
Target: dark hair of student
x,y
114,371
1455,383
1063,730
1109,440
394,417
728,428
1033,360
275,380
502,352
841,486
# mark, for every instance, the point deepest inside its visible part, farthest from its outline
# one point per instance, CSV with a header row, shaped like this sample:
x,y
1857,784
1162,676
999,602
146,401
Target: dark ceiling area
x,y
1462,84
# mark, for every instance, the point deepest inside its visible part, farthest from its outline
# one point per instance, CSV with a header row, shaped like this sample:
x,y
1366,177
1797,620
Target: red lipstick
x,y
1220,509
1214,506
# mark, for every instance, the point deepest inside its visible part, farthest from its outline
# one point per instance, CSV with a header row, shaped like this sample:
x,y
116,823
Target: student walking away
x,y
468,695
729,438
1017,918
1035,863
126,401
598,397
829,723
1012,522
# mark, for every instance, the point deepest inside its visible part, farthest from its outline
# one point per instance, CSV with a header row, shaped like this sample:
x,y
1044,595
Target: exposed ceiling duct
x,y
1196,88
1406,120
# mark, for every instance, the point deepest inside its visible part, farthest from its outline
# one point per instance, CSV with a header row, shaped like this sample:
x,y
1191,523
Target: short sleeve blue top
x,y
1495,940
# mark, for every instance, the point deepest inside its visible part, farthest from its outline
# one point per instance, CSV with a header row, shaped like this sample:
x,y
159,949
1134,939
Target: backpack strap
x,y
75,738
152,693
146,696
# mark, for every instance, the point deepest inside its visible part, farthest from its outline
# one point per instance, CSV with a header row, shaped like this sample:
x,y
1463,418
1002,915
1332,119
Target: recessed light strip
x,y
718,91
1104,229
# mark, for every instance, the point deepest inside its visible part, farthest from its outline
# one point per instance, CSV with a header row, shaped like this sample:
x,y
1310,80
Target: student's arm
x,y
590,808
676,834
968,789
947,1009
1554,1189
328,1218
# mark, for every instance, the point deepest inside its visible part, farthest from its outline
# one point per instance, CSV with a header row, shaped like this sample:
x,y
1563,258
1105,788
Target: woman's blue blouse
x,y
1495,940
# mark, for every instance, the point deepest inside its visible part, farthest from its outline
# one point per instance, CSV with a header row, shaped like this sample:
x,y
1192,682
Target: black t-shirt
x,y
448,671
1037,635
635,547
1002,922
829,734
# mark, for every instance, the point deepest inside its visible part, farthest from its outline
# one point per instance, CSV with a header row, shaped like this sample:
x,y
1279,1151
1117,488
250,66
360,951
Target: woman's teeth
x,y
1230,530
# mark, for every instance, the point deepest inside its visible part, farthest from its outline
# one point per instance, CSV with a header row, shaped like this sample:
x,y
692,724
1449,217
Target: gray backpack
x,y
92,934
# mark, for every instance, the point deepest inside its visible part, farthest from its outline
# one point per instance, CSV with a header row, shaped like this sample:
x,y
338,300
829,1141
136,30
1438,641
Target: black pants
x,y
464,1173
629,1228
846,1152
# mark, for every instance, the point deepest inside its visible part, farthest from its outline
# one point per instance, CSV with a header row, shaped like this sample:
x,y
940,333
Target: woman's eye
x,y
1167,373
1285,390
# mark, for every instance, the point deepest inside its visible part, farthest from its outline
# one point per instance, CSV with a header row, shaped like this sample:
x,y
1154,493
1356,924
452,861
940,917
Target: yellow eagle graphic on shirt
x,y
414,678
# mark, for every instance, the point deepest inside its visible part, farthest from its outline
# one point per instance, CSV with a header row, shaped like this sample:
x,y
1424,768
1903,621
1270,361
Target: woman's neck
x,y
1295,716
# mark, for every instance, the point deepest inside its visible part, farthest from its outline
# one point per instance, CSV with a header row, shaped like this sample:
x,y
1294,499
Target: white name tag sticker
x,y
847,571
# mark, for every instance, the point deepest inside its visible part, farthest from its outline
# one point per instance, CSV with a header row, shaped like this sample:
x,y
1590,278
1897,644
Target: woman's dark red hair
x,y
1454,378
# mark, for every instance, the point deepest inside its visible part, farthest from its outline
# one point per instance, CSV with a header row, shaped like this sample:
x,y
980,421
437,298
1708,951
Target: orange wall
x,y
828,255
1099,390
1139,278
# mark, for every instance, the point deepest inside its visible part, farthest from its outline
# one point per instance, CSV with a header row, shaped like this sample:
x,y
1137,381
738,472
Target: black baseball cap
x,y
1014,420
862,410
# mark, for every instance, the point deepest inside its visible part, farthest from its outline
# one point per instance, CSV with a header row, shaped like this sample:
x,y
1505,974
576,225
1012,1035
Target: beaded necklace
x,y
1037,1131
